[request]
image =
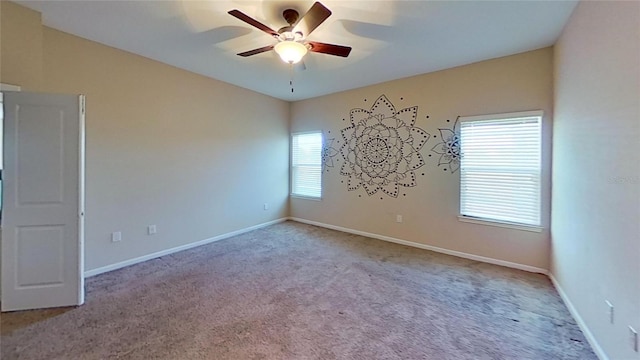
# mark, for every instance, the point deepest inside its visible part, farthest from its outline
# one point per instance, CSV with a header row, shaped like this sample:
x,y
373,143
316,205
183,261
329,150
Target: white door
x,y
43,201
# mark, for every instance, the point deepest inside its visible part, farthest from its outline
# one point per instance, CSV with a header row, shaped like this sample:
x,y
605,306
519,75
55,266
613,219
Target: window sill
x,y
507,225
306,197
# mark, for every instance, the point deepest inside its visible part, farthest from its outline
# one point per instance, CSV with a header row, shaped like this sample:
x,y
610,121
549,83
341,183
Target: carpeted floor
x,y
294,291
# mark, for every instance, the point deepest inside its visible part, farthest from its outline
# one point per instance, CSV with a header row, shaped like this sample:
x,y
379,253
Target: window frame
x,y
499,222
291,166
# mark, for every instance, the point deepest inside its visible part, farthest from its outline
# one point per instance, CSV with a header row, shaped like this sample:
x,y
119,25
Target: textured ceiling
x,y
390,39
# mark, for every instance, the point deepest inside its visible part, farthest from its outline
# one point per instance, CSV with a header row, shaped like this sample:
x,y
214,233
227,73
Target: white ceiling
x,y
390,39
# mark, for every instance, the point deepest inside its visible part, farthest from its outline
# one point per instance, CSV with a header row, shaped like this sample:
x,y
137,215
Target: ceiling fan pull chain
x,y
291,76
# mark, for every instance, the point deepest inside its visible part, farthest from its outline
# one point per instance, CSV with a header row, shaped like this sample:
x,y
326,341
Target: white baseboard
x,y
576,316
509,264
9,87
140,259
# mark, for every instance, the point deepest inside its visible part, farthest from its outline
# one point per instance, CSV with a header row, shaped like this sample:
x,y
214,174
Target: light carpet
x,y
295,291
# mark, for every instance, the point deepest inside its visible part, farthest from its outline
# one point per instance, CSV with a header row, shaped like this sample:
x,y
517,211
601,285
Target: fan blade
x,y
256,51
312,19
331,49
253,22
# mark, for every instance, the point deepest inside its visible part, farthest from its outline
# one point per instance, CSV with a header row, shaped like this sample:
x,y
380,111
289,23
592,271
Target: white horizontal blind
x,y
500,168
306,164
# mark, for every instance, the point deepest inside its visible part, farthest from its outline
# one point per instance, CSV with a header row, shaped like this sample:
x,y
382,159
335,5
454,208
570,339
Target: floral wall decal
x,y
328,153
381,148
449,148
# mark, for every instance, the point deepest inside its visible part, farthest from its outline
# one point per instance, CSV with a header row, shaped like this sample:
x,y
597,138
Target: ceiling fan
x,y
292,45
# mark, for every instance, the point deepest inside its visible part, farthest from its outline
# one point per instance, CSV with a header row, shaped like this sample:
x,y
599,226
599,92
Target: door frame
x,y
4,87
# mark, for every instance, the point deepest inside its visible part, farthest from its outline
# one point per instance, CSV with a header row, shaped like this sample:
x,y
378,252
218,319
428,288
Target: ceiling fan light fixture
x,y
291,52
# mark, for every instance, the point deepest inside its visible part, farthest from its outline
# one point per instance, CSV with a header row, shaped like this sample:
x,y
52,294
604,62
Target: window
x,y
306,164
500,169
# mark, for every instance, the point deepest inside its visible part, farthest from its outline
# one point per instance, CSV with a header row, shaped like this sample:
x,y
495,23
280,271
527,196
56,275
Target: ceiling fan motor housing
x,y
286,33
290,36
291,16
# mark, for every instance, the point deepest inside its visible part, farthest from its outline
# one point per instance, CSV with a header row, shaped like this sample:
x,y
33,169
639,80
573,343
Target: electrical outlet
x,y
116,236
266,206
398,218
633,338
151,230
610,311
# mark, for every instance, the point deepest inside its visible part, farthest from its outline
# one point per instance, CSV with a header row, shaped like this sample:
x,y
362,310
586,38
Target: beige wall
x,y
195,156
20,46
596,169
515,83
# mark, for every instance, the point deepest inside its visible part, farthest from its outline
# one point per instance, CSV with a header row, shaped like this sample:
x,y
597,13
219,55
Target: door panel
x,y
43,245
42,219
40,153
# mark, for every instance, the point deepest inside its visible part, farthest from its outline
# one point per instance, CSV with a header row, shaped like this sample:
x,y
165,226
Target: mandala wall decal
x,y
328,153
381,148
449,148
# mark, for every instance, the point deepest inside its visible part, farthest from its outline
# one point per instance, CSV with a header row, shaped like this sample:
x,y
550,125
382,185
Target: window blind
x,y
500,169
306,164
